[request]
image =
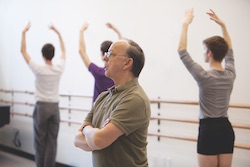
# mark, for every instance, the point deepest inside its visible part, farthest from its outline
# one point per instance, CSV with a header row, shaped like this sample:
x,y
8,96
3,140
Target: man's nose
x,y
105,58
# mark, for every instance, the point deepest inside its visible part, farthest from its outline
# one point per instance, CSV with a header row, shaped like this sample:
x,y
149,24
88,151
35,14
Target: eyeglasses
x,y
108,54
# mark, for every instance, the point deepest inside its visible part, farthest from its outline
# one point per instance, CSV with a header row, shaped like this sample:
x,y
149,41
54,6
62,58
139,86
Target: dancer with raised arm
x,y
46,116
216,136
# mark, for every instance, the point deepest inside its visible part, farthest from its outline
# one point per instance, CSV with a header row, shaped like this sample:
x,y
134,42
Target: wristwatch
x,y
84,126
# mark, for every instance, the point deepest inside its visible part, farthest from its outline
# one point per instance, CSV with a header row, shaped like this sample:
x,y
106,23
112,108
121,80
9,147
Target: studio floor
x,y
10,160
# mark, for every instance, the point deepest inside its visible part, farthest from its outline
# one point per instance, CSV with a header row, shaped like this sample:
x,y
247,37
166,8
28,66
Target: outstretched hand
x,y
188,16
214,17
109,25
84,27
27,27
52,27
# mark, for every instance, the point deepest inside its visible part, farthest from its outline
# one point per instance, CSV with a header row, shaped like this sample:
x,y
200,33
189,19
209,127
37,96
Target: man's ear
x,y
210,54
128,63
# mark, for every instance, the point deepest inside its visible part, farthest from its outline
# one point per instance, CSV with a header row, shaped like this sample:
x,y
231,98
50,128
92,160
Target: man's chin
x,y
106,74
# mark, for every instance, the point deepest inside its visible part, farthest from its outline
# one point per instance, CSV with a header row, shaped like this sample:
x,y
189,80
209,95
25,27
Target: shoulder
x,y
94,66
33,64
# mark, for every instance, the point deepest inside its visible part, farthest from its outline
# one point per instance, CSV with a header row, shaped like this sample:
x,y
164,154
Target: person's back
x,y
102,83
216,136
46,114
47,80
215,90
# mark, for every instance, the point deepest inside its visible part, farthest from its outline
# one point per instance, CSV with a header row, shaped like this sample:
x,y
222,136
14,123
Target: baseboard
x,y
26,155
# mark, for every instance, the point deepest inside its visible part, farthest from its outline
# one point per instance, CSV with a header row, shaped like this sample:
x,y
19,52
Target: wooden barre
x,y
63,120
32,93
174,102
16,91
73,108
17,102
79,109
172,136
231,105
236,145
152,101
33,104
235,125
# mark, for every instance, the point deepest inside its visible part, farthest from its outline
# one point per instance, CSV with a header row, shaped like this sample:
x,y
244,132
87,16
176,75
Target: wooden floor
x,y
10,160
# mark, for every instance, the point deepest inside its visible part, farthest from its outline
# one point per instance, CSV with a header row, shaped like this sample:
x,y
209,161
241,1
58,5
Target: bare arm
x,y
98,139
82,47
80,140
187,20
226,35
26,56
115,29
63,56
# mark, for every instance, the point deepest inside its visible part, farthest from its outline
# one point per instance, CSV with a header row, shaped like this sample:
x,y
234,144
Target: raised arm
x,y
63,55
215,18
26,56
187,20
111,26
82,47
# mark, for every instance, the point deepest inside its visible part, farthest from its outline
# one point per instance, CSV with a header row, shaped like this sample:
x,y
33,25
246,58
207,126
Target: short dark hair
x,y
48,51
136,53
218,47
105,46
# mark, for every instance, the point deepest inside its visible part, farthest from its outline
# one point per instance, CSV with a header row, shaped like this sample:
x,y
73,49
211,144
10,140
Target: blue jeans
x,y
46,120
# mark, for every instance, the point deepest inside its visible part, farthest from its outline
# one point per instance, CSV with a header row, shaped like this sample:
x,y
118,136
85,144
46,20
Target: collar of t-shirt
x,y
121,88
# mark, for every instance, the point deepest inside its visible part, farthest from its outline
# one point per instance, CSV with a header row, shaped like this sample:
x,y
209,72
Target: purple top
x,y
102,83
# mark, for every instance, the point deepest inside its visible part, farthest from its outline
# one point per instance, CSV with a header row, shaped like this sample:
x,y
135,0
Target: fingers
x,y
189,11
212,14
212,11
29,24
109,25
189,16
52,27
27,27
84,26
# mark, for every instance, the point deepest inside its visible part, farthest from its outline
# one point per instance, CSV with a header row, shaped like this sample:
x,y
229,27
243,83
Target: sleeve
x,y
131,114
61,64
229,62
34,66
90,115
95,70
194,68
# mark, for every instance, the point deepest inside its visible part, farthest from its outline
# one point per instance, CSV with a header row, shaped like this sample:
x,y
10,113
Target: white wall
x,y
155,25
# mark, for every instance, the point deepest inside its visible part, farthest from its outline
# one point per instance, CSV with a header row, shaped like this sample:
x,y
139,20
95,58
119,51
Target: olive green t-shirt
x,y
128,108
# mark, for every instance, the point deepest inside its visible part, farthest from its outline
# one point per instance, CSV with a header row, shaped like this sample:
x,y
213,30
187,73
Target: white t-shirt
x,y
47,80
